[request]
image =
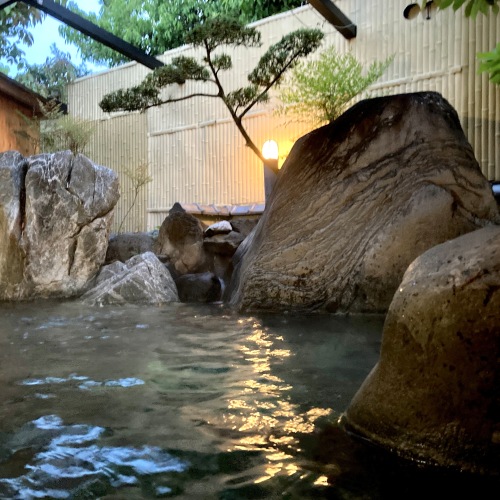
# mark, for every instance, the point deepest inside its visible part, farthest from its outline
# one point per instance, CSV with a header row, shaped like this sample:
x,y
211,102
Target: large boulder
x,y
55,215
434,395
143,279
356,202
180,243
13,168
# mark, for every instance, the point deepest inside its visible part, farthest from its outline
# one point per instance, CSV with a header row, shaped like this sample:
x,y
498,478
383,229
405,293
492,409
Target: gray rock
x,y
221,227
223,243
434,394
57,210
176,207
123,246
356,202
244,225
142,279
199,287
13,168
220,248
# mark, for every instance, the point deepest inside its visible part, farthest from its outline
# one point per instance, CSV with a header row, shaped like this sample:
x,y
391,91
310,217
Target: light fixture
x,y
270,155
270,150
429,7
413,10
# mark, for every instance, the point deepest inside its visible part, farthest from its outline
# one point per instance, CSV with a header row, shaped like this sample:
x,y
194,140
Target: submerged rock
x,y
434,395
356,202
55,215
142,279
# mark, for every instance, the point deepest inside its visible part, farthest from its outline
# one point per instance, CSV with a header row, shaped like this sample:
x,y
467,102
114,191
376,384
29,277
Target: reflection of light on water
x,y
70,459
321,481
263,412
277,465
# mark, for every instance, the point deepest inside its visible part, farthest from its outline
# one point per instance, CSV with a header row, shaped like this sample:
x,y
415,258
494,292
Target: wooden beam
x,y
335,17
20,94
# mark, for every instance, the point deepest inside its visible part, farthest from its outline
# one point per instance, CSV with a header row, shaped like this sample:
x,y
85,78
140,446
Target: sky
x,y
47,32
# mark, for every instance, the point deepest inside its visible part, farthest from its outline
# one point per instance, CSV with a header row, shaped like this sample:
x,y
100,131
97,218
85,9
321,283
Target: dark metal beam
x,y
336,17
6,3
90,29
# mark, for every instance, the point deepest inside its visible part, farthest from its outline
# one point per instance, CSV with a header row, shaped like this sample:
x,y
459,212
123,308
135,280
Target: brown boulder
x,y
180,243
356,202
434,395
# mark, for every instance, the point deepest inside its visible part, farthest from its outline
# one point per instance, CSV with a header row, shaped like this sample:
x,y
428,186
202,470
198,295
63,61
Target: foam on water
x,y
73,456
87,383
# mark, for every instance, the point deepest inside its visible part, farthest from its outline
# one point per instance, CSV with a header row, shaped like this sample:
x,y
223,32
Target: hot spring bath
x,y
186,401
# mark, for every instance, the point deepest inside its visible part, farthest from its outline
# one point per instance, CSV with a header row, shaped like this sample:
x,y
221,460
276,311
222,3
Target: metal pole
x,y
270,176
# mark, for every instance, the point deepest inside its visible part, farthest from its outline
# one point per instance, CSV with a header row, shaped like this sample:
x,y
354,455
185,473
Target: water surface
x,y
185,401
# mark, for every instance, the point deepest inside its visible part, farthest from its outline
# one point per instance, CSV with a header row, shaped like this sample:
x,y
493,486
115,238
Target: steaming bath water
x,y
184,401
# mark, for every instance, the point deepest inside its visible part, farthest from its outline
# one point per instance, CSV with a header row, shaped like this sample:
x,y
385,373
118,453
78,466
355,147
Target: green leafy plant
x,y
51,78
321,89
472,7
140,177
15,23
56,131
156,26
59,131
490,61
211,35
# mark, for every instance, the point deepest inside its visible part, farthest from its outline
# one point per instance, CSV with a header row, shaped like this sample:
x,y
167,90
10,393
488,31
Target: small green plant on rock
x,y
57,130
321,89
490,61
139,175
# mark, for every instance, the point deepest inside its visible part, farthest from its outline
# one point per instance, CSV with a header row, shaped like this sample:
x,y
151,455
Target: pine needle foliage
x,y
213,35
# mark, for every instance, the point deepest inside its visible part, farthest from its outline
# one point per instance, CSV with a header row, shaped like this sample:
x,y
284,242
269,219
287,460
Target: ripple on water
x,y
71,458
86,382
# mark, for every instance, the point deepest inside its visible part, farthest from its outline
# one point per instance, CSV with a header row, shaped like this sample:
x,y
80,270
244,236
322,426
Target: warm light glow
x,y
261,414
321,481
270,150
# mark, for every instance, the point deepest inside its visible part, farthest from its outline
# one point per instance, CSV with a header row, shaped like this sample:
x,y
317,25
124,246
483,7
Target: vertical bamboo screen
x,y
195,153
